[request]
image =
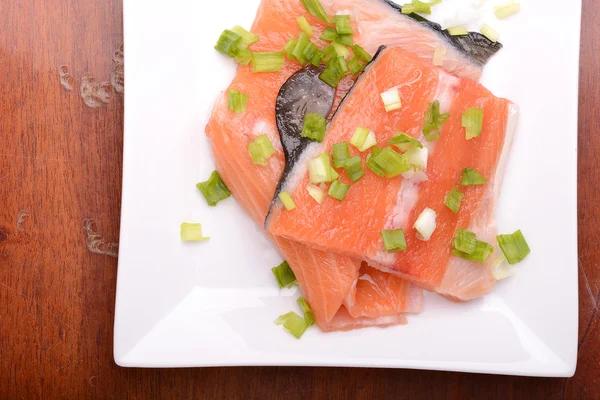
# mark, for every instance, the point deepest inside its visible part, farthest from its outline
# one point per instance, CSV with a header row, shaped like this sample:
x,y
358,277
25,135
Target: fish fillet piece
x,y
374,203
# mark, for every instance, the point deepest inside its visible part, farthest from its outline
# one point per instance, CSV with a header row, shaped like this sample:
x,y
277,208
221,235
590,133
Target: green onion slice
x,y
293,323
268,62
342,24
228,43
433,121
248,38
361,53
316,193
490,33
340,49
340,153
363,139
315,9
314,127
354,169
418,6
261,149
391,100
309,317
355,66
304,25
310,51
464,241
191,232
284,275
301,44
290,47
334,72
393,240
320,170
287,201
453,199
236,101
404,142
458,31
507,10
470,177
338,190
391,162
472,121
372,165
214,189
481,252
514,247
329,34
346,40
316,60
243,56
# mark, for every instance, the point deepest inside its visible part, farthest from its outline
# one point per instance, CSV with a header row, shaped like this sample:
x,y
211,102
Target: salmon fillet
x,y
374,203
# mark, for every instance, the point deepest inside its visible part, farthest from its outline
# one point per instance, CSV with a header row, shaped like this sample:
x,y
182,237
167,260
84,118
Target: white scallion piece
x,y
391,100
425,224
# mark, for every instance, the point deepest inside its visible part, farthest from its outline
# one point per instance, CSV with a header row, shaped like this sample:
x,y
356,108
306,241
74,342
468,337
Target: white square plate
x,y
214,303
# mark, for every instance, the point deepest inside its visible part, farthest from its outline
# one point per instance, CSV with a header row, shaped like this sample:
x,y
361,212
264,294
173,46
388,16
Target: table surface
x,y
61,162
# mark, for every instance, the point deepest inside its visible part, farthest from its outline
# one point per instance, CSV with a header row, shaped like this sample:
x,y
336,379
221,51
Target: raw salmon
x,y
374,203
328,280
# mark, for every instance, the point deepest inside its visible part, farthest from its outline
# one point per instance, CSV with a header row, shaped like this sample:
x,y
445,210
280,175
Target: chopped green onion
x,y
293,323
433,121
329,34
372,165
290,47
507,10
284,275
464,241
391,162
261,149
363,139
438,56
228,43
346,40
316,193
287,201
501,269
334,72
470,177
453,199
355,66
301,44
361,53
214,189
338,190
309,317
354,169
393,240
243,56
304,25
314,127
315,9
418,6
341,50
342,24
268,62
340,153
391,100
458,31
247,37
191,232
481,252
417,157
425,224
490,33
310,51
320,170
514,246
404,142
472,121
316,60
236,101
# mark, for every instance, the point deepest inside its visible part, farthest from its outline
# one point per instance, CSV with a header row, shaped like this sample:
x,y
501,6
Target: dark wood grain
x,y
61,161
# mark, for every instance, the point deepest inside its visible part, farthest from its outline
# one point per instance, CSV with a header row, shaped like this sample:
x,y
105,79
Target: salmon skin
x,y
373,204
478,48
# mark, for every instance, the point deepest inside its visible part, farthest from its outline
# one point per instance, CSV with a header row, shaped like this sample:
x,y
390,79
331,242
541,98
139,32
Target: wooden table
x,y
61,162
